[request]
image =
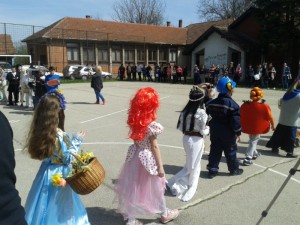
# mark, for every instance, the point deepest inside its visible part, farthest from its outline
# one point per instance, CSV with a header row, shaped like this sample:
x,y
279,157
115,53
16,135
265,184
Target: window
x,y
129,55
73,52
140,55
163,55
102,55
172,56
88,55
116,55
152,55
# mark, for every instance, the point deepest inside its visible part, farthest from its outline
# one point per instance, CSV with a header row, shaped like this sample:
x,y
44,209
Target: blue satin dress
x,y
49,205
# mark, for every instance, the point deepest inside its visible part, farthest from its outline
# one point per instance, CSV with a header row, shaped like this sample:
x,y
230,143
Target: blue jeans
x,y
99,95
284,81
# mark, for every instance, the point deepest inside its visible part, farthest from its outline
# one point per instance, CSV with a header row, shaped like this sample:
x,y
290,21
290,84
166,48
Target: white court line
x,y
112,113
122,143
171,146
104,116
279,173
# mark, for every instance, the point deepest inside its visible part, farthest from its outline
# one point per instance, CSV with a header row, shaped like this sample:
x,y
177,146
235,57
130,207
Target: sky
x,y
46,12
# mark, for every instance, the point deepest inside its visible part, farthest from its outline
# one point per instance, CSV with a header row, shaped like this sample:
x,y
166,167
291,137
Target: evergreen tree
x,y
280,20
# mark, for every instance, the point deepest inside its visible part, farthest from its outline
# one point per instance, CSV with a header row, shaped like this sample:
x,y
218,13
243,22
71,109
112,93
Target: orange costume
x,y
256,117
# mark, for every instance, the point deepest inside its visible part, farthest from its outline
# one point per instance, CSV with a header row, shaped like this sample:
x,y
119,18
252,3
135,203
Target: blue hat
x,y
225,84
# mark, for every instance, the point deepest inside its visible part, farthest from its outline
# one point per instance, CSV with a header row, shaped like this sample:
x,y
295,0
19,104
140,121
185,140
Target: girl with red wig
x,y
141,184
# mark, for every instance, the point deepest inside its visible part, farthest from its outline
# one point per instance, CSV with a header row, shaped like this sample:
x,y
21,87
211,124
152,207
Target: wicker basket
x,y
85,182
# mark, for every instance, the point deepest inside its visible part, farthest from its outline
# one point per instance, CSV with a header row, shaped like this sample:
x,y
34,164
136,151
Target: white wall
x,y
216,51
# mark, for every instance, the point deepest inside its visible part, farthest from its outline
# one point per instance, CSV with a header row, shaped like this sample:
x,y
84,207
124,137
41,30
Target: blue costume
x,y
224,128
49,205
52,81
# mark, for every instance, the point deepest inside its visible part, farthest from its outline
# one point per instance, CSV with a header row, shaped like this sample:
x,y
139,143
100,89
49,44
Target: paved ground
x,y
223,200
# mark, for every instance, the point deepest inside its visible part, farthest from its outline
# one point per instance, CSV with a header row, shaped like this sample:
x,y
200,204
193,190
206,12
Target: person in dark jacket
x,y
122,71
39,87
11,210
225,129
97,85
13,79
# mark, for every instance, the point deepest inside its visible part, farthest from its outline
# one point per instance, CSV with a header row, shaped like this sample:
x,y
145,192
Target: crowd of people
x,y
205,113
20,84
157,73
263,75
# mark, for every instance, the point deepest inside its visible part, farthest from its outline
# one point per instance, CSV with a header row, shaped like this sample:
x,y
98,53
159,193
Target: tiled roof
x,y
78,28
197,29
6,45
100,30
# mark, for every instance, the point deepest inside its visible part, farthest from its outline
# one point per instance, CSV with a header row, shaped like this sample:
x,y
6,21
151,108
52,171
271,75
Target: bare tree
x,y
222,9
139,11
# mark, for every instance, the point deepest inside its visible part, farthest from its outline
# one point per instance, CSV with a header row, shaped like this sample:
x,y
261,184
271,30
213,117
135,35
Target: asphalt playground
x,y
223,200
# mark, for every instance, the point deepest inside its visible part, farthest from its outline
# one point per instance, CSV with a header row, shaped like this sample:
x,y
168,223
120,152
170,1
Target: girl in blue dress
x,y
47,141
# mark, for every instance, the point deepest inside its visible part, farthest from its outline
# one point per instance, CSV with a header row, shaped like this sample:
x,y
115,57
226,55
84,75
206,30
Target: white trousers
x,y
184,184
251,150
28,98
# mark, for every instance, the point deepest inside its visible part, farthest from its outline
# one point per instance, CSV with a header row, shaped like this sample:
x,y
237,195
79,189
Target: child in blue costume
x,y
47,141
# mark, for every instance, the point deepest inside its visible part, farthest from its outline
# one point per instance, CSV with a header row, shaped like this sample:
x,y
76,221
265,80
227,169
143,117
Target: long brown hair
x,y
48,116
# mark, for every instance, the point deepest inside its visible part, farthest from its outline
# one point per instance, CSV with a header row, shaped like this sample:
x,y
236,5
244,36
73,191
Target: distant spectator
x,y
144,72
272,75
211,78
97,85
25,89
122,71
264,76
148,73
13,79
202,74
179,73
230,70
3,85
169,73
157,73
250,76
128,71
133,71
139,70
286,76
39,89
237,74
196,75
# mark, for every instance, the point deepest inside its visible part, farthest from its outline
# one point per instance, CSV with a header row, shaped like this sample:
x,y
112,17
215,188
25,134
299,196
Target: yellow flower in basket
x,y
81,162
58,180
87,174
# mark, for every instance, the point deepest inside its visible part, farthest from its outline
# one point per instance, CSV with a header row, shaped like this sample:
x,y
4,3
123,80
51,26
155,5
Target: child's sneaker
x,y
247,162
172,214
256,156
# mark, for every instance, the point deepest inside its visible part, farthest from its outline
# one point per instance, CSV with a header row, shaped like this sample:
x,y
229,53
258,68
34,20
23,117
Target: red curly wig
x,y
142,111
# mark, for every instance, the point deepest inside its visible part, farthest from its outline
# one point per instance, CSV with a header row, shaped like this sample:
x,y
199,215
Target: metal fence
x,y
53,50
11,37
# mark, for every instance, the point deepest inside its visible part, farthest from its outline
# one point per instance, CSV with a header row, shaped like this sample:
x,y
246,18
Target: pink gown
x,y
139,190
